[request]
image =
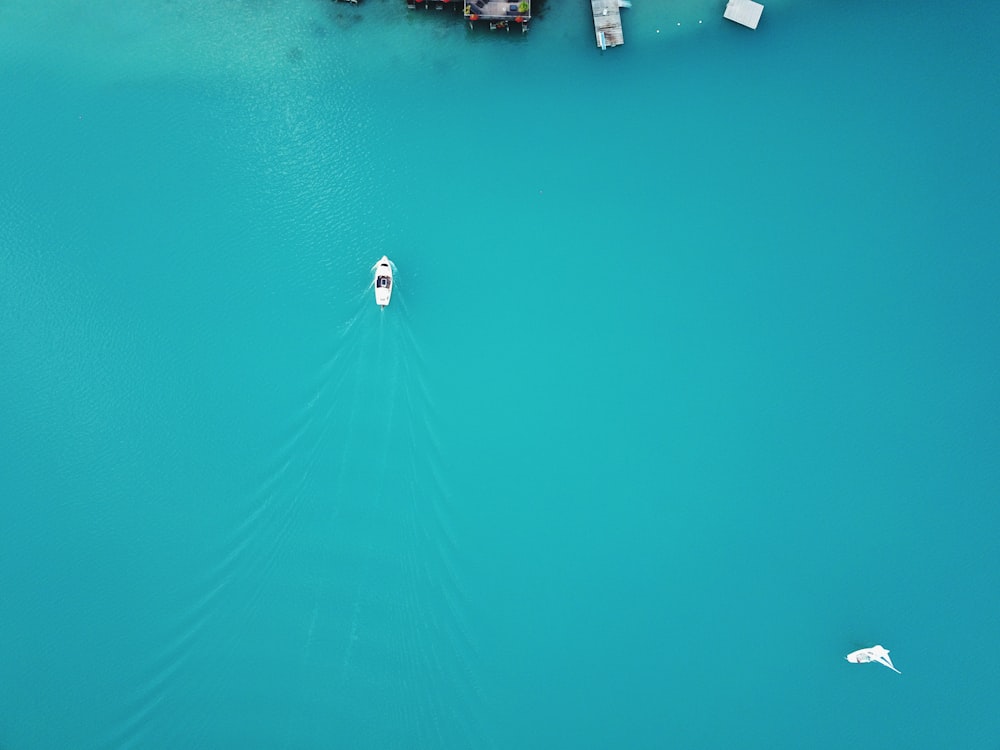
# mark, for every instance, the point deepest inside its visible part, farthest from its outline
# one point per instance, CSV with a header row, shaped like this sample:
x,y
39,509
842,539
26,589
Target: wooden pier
x,y
608,22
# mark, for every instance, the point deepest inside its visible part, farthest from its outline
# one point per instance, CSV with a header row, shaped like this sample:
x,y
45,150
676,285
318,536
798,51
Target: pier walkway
x,y
608,22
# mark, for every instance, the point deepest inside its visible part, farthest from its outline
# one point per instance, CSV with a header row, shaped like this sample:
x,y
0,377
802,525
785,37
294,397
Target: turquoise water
x,y
688,387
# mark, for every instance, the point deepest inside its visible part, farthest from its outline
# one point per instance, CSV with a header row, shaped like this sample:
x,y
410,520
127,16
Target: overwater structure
x,y
608,22
498,15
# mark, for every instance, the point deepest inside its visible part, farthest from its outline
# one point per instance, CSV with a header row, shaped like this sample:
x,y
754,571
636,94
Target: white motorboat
x,y
873,654
383,281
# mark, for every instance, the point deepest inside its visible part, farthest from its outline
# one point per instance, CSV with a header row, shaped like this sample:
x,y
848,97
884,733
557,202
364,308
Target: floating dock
x,y
608,22
744,12
500,14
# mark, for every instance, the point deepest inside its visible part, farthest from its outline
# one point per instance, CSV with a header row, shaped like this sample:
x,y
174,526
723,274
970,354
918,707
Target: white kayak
x,y
383,282
873,654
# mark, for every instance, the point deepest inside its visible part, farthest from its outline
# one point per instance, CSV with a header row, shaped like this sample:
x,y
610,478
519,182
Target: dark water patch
x,y
345,16
318,30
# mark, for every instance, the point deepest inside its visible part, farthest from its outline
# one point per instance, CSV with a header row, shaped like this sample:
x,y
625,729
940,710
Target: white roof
x,y
745,12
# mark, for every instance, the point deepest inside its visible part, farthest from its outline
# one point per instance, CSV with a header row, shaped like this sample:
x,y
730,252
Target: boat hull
x,y
873,655
383,282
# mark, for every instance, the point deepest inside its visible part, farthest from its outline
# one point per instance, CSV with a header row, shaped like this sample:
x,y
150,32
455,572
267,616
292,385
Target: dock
x,y
499,14
608,22
744,12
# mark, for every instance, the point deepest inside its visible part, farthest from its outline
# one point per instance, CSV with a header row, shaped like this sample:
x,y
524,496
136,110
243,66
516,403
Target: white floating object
x,y
875,653
383,281
745,12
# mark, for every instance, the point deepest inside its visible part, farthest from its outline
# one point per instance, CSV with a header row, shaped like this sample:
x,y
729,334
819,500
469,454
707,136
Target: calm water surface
x,y
688,386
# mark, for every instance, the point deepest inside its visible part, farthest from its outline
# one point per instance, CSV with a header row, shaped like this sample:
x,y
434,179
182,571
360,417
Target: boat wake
x,y
385,547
